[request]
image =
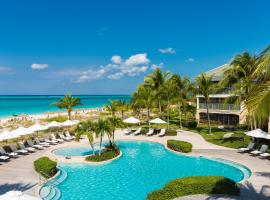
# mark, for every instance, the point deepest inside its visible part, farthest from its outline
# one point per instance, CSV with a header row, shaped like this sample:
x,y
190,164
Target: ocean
x,y
11,105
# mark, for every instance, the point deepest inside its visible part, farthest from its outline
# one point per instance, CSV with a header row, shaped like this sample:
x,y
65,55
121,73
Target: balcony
x,y
219,106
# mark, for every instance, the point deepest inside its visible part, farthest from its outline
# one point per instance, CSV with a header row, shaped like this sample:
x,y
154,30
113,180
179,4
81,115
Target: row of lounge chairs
x,y
149,133
31,146
262,152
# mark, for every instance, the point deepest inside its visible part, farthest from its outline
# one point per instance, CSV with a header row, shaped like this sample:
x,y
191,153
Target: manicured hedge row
x,y
195,185
106,155
45,167
180,146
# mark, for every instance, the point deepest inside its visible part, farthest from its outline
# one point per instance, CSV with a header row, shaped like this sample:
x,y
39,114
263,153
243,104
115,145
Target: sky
x,y
108,46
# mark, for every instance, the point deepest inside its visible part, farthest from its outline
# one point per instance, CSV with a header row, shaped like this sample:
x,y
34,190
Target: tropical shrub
x,y
171,132
105,155
180,146
45,167
195,185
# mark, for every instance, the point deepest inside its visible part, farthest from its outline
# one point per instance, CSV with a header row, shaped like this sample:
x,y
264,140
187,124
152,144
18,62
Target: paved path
x,y
19,174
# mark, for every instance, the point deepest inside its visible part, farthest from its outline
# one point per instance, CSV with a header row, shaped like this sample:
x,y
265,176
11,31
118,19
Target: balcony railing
x,y
220,106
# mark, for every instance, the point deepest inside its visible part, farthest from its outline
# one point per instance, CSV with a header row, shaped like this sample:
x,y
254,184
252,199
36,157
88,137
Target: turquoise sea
x,y
11,105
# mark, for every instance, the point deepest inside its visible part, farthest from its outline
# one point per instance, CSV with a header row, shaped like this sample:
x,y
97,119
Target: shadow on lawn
x,y
15,186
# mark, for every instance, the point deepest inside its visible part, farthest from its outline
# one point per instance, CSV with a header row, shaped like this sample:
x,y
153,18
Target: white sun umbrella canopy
x,y
21,131
257,133
157,121
38,127
69,123
53,124
132,120
7,135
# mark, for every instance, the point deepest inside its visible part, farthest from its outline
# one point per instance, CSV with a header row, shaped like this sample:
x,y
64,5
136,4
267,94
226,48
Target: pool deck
x,y
18,174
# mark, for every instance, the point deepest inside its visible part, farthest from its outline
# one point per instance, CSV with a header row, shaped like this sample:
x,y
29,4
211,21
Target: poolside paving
x,y
19,173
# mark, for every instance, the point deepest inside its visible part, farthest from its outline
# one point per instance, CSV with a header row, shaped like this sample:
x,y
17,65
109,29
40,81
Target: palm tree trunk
x,y
208,117
180,116
92,147
168,117
69,114
148,117
100,143
122,114
113,136
159,106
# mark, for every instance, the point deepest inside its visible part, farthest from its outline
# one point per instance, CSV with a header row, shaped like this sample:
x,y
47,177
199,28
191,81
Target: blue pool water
x,y
142,168
75,151
34,104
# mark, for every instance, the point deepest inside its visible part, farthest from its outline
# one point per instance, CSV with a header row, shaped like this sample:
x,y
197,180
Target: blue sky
x,y
107,47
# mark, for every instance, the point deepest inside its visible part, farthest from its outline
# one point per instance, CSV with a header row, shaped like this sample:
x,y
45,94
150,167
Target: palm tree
x,y
111,107
68,102
88,129
114,123
205,88
102,128
122,107
183,89
156,81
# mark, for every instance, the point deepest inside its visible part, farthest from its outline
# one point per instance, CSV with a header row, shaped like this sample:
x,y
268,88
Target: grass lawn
x,y
237,140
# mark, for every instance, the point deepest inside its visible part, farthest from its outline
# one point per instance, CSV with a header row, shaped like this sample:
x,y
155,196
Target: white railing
x,y
219,106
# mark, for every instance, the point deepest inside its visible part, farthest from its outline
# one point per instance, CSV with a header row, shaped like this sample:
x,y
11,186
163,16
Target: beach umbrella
x,y
7,135
21,131
53,124
157,121
132,120
257,133
76,121
38,127
68,123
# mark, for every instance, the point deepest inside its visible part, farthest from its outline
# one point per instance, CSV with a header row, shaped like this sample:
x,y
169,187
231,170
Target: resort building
x,y
220,112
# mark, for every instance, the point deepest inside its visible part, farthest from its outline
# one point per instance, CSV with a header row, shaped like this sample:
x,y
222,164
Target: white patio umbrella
x,y
257,133
157,121
7,135
132,120
68,123
38,127
21,131
53,124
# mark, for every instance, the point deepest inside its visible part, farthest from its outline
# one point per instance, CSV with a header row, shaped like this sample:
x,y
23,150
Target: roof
x,y
217,72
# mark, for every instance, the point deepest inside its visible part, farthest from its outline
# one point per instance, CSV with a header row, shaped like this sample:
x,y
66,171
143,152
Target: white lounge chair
x,y
246,149
137,132
30,149
53,142
265,155
64,138
9,154
128,131
69,136
19,151
162,132
4,158
262,150
54,138
37,146
150,132
44,144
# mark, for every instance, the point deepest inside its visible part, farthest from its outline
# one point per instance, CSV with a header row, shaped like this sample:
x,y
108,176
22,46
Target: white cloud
x,y
155,66
116,59
6,70
132,66
190,60
39,66
168,50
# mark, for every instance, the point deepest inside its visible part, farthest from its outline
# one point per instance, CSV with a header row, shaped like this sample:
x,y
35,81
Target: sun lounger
x,y
150,132
30,149
54,138
162,132
246,149
53,142
44,144
4,158
262,150
137,132
128,131
19,151
37,146
10,154
64,138
69,136
265,155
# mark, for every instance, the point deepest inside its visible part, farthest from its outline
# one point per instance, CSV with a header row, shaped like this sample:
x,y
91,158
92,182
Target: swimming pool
x,y
142,168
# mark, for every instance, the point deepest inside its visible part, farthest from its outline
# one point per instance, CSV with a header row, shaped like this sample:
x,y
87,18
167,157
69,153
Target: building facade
x,y
220,111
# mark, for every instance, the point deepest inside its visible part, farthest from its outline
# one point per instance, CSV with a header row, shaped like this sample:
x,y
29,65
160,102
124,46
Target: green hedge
x,y
171,132
45,167
106,155
180,146
195,185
